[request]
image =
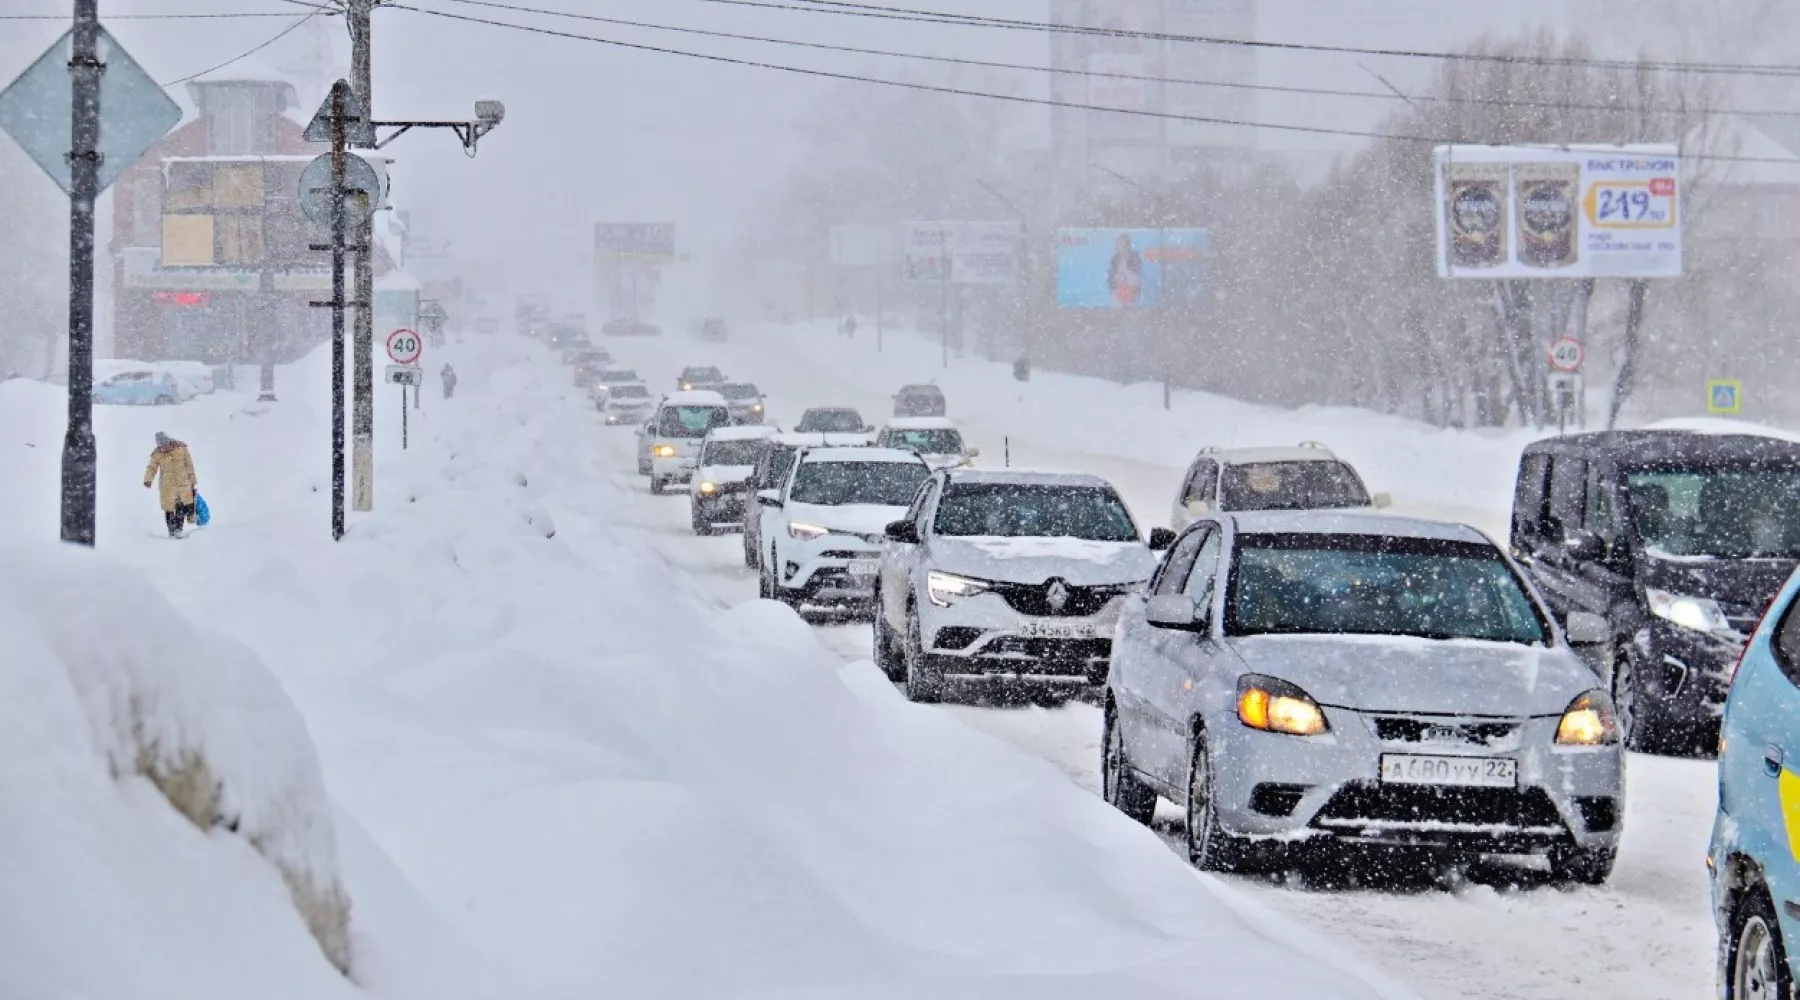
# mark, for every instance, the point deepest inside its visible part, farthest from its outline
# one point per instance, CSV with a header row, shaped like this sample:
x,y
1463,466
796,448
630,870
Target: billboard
x,y
1572,212
640,240
1129,268
961,253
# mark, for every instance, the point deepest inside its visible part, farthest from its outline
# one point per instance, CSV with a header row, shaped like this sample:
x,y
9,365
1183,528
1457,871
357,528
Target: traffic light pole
x,y
80,478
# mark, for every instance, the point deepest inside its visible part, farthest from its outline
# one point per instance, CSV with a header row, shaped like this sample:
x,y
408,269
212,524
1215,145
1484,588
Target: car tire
x,y
1755,959
1209,847
1639,731
749,549
924,684
702,527
887,657
1119,785
1582,865
643,467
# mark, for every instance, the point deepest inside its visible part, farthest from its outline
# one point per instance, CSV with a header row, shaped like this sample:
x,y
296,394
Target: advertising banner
x,y
1129,268
1542,212
962,253
642,240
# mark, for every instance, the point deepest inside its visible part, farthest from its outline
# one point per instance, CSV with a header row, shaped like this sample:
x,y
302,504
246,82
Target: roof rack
x,y
1314,444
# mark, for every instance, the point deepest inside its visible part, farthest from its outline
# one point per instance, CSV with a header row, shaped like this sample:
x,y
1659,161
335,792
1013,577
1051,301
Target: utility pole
x,y
80,479
362,414
340,162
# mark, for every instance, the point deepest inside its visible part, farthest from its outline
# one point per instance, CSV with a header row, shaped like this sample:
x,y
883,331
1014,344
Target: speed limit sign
x,y
404,346
1566,355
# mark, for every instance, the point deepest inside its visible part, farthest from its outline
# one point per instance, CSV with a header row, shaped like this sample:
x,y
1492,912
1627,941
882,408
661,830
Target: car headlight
x,y
663,451
1589,721
1276,706
709,487
945,588
806,532
686,386
1702,614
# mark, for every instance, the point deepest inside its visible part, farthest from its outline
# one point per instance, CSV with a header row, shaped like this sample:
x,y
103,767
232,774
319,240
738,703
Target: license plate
x,y
865,567
1464,772
1055,630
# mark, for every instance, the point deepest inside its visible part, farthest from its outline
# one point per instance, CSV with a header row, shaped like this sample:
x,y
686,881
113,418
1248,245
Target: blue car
x,y
1755,852
141,388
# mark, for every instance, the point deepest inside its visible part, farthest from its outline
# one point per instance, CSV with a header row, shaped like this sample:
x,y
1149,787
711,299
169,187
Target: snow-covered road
x,y
1496,936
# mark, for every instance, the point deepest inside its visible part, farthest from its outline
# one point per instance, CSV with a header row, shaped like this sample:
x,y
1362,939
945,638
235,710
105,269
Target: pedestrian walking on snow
x,y
449,374
172,469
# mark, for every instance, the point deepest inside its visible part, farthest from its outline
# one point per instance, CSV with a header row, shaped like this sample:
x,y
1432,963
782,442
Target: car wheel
x,y
923,684
749,550
702,527
1582,865
888,655
643,467
1756,968
1118,784
1634,729
1209,847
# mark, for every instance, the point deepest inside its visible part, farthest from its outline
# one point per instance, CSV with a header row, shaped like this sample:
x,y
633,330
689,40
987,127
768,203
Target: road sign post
x,y
1724,397
403,375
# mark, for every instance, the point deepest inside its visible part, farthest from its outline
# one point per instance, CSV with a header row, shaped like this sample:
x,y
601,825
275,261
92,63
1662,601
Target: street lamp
x,y
1162,240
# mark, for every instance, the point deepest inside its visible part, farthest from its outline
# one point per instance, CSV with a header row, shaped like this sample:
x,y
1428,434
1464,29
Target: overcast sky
x,y
599,132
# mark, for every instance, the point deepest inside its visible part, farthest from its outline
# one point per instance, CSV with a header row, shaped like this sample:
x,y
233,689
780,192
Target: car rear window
x,y
1292,486
831,422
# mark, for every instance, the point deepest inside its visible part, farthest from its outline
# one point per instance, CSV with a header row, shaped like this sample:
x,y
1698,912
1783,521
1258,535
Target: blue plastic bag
x,y
202,515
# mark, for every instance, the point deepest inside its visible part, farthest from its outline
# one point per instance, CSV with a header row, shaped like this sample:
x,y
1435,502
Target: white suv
x,y
822,531
1308,477
1003,574
669,442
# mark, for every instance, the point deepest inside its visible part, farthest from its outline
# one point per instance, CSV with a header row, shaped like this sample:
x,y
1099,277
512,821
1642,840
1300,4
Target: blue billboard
x,y
1129,268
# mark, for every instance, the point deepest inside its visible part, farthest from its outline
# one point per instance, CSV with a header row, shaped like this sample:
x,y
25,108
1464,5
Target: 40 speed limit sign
x,y
1566,355
404,346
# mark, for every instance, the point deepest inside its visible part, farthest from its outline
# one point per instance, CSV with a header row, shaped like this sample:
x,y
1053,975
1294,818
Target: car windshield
x,y
1304,584
1292,486
739,390
1012,510
701,375
691,421
731,452
831,422
630,392
930,442
834,484
1719,513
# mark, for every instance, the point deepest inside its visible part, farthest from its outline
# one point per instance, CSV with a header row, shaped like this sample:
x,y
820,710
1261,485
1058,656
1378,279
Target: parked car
x,y
669,442
746,400
626,404
1680,540
1308,477
1294,678
824,528
773,463
722,478
920,401
623,326
936,439
1007,575
700,377
139,388
1755,869
833,420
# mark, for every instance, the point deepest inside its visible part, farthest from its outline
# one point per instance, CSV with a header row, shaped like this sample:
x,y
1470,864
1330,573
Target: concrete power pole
x,y
362,383
79,476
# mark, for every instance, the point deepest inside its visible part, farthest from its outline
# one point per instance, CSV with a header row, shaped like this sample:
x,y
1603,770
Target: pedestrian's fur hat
x,y
161,439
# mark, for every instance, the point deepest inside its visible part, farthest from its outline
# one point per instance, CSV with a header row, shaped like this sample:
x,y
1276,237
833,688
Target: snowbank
x,y
109,691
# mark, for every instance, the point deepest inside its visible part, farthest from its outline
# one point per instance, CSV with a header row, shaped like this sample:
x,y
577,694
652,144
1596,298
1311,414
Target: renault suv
x,y
822,531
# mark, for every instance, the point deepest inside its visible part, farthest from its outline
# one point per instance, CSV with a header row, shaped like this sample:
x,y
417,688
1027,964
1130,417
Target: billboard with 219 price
x,y
1129,268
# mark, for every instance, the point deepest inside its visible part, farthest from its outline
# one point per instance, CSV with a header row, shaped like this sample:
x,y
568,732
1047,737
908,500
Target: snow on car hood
x,y
1034,559
1407,674
855,518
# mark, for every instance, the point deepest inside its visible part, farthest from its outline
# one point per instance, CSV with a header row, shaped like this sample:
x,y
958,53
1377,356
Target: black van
x,y
1679,540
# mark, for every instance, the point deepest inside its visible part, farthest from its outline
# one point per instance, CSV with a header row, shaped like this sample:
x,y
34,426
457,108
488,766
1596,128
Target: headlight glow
x,y
1702,614
806,532
945,588
1588,722
709,487
663,451
1275,706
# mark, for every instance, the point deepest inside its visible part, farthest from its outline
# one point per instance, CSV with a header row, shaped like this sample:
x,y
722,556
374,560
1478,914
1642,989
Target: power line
x,y
837,7
1012,98
1058,70
283,33
156,17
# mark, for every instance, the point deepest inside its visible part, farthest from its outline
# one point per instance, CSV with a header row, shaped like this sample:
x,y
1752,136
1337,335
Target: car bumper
x,y
1683,674
724,507
678,469
836,569
981,636
746,417
1330,786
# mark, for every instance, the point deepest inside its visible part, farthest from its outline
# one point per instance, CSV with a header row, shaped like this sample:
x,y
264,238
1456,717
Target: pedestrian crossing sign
x,y
1724,396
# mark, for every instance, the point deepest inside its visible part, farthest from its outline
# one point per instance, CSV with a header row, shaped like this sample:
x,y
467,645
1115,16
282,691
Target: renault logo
x,y
1057,596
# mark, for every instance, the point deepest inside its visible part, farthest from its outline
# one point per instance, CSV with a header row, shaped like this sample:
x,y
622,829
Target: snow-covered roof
x,y
1028,477
840,454
1257,456
1316,522
815,439
922,424
753,432
694,397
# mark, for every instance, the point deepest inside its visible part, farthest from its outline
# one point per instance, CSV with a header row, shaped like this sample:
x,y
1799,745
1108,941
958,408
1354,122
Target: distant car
x,y
934,438
626,403
700,377
709,329
622,326
1308,477
1007,575
722,479
566,338
824,528
920,401
589,363
607,377
669,443
747,404
1294,678
773,462
833,420
139,388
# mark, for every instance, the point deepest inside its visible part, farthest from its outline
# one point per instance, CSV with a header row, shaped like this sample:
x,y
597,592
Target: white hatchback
x,y
669,442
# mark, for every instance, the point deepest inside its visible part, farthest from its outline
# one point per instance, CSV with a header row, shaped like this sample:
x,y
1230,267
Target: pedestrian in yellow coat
x,y
174,466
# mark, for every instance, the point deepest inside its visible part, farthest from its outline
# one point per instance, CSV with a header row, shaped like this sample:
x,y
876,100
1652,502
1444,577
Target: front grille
x,y
1034,599
1407,729
1360,805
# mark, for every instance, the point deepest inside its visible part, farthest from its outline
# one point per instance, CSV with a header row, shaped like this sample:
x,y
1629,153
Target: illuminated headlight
x,y
709,487
1588,722
757,407
945,588
663,451
1276,706
1702,614
806,532
685,386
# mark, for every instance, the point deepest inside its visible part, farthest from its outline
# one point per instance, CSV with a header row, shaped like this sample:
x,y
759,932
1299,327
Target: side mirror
x,y
974,452
1584,628
904,532
1581,544
1383,501
1161,539
1172,611
769,498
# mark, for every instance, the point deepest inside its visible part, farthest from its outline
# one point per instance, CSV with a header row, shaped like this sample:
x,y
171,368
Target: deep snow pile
x,y
562,772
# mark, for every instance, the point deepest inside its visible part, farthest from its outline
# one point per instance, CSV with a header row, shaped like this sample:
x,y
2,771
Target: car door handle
x,y
1773,758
